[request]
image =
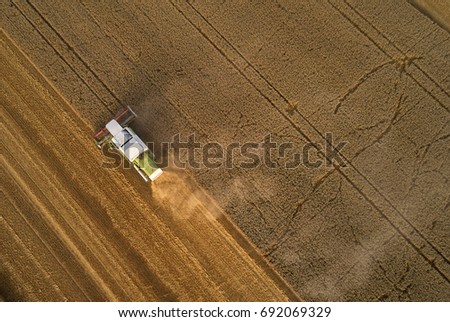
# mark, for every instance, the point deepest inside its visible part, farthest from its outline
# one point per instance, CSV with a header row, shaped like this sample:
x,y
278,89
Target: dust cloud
x,y
178,192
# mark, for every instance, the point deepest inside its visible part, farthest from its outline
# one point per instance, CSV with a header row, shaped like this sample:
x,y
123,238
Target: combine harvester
x,y
119,136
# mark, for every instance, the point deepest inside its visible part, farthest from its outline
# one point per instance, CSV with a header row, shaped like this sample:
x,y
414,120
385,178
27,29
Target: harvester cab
x,y
119,136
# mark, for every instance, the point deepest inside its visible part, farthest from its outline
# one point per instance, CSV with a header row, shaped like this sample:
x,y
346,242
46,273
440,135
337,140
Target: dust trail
x,y
177,191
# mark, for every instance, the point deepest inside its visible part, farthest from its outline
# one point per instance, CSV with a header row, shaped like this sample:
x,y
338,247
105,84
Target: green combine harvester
x,y
119,136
